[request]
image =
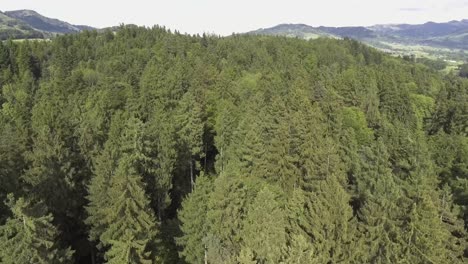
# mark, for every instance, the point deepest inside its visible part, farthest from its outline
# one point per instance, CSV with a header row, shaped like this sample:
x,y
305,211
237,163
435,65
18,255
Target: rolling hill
x,y
14,28
439,40
27,24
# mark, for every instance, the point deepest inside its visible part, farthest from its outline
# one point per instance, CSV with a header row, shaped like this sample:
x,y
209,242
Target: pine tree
x,y
381,217
158,157
105,167
15,131
226,215
246,256
193,217
426,234
120,213
226,121
264,229
457,243
30,237
246,149
24,58
300,251
277,164
332,224
191,129
132,230
328,217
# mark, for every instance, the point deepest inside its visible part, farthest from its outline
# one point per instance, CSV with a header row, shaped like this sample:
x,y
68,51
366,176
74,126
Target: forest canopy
x,y
150,146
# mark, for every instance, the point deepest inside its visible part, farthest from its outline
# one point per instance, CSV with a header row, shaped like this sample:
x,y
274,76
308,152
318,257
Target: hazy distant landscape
x,y
285,145
446,41
434,40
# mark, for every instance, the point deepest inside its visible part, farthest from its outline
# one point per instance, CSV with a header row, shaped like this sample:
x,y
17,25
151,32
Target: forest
x,y
145,145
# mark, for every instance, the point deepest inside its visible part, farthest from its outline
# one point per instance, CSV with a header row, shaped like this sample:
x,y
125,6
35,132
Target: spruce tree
x,y
427,237
277,164
29,236
226,215
105,167
157,159
328,217
129,222
191,128
193,218
264,229
381,218
132,229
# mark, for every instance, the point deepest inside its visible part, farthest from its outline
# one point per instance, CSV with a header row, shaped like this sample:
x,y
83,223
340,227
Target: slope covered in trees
x,y
147,146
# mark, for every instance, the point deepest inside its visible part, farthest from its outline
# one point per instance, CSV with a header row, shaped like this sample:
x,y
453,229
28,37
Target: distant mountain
x,y
14,28
423,31
351,32
24,24
448,39
293,30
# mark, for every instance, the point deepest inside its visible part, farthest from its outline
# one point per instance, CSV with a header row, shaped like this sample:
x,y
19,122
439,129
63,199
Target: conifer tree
x,y
277,164
120,213
29,236
226,216
380,215
300,251
191,128
193,217
332,224
105,167
247,146
427,236
264,229
132,230
226,121
328,218
158,157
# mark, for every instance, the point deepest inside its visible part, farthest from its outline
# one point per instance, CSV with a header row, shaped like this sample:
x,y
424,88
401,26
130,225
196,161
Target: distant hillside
x,y
25,24
14,28
442,40
293,30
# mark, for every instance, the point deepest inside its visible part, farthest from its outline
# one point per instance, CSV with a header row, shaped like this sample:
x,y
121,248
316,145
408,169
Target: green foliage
x,y
105,167
423,107
148,146
120,213
355,119
437,65
380,215
264,232
29,236
132,229
226,216
193,218
451,109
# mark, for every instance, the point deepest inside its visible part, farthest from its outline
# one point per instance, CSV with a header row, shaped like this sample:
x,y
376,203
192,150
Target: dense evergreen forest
x,y
149,146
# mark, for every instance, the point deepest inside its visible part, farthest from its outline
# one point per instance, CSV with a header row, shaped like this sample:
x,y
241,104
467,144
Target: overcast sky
x,y
224,17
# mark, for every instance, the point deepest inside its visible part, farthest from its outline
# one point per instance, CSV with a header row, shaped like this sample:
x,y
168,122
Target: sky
x,y
225,17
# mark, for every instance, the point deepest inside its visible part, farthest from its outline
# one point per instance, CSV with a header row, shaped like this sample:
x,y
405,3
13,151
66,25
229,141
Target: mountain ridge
x,y
26,23
432,37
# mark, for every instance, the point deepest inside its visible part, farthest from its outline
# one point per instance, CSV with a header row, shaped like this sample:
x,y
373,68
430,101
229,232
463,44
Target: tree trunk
x,y
206,150
159,208
93,257
191,174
